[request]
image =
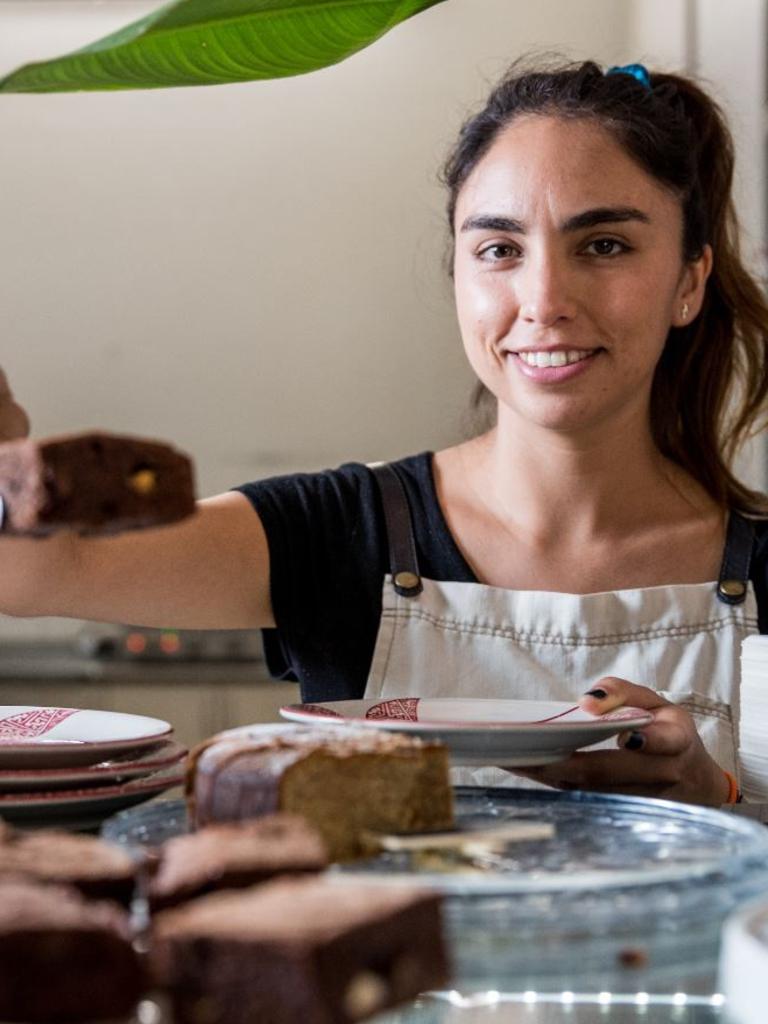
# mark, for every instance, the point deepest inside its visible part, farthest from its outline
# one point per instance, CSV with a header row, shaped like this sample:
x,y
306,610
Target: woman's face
x,y
569,273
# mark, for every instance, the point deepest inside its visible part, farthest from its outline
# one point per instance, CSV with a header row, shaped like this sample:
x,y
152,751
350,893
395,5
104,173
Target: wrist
x,y
732,794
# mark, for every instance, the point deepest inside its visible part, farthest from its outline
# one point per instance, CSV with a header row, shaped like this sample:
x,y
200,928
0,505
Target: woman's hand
x,y
664,759
14,421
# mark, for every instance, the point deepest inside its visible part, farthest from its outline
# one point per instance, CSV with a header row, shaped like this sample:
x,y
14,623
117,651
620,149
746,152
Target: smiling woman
x,y
568,277
595,538
664,140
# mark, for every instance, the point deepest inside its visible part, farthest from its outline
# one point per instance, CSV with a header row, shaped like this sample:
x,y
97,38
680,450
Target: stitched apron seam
x,y
601,640
705,712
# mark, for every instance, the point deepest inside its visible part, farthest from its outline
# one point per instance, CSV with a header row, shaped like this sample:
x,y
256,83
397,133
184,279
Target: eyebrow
x,y
579,221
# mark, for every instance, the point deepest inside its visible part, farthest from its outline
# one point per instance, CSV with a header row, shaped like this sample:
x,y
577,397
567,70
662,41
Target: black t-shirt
x,y
328,557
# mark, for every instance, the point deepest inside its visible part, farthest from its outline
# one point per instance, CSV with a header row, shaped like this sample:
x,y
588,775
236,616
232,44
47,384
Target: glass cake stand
x,y
616,917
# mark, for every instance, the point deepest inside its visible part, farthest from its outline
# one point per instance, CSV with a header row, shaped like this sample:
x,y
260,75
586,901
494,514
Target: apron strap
x,y
403,564
734,571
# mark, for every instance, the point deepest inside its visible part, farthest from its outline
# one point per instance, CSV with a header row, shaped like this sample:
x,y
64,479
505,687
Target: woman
x,y
573,546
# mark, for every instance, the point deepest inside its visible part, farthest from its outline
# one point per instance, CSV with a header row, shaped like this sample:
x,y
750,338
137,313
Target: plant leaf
x,y
208,42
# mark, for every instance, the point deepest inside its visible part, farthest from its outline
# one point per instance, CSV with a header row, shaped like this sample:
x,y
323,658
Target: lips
x,y
553,365
553,357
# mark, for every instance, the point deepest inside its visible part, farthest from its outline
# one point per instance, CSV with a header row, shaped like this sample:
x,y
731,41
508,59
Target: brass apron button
x,y
406,580
732,588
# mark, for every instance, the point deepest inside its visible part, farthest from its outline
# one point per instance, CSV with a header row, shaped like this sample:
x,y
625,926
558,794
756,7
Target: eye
x,y
606,247
498,251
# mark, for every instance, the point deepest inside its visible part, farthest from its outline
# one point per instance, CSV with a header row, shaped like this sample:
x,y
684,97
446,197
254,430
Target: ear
x,y
689,295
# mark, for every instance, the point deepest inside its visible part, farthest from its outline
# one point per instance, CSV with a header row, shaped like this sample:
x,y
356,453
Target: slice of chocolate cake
x,y
63,958
235,856
92,484
96,869
345,781
299,952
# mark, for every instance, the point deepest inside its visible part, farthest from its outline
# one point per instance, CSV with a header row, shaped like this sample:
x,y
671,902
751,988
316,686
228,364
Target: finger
x,y
14,422
612,692
608,771
667,738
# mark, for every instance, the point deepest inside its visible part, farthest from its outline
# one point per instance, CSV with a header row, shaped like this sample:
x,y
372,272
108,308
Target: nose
x,y
545,289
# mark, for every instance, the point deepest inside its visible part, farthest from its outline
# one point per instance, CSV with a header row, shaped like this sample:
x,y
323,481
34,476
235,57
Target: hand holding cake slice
x,y
92,483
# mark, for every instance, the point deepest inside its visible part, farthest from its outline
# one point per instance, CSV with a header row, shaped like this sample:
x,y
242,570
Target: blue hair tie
x,y
637,71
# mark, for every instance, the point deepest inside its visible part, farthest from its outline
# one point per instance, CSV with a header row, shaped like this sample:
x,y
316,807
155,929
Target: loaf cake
x,y
92,484
63,958
96,869
299,951
235,856
346,781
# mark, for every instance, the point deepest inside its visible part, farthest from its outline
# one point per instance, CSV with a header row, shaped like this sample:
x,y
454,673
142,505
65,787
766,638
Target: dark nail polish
x,y
636,741
598,694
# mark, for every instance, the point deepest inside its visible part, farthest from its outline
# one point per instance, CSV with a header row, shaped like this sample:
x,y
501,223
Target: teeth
x,y
554,358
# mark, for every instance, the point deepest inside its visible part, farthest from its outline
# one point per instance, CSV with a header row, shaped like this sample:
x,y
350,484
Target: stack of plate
x,y
753,738
73,768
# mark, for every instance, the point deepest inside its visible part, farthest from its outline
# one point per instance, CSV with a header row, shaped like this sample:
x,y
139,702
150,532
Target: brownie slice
x,y
235,856
346,781
93,484
298,951
63,958
96,869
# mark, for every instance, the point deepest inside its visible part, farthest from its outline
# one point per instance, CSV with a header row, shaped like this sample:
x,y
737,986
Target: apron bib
x,y
445,639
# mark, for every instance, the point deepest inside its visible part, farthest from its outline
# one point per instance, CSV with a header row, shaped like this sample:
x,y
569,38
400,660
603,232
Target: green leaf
x,y
208,42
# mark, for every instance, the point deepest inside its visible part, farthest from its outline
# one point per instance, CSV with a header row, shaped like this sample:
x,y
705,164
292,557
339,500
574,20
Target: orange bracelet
x,y
733,788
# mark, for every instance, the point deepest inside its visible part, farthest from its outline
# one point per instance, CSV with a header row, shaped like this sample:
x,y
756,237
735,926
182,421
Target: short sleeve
x,y
327,549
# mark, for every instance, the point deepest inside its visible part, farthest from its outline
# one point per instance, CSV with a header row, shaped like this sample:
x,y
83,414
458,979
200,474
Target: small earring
x,y
684,311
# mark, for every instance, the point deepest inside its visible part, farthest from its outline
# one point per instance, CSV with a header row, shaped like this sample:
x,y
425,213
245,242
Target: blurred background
x,y
255,272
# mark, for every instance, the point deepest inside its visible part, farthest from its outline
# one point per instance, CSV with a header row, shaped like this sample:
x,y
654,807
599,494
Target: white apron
x,y
440,639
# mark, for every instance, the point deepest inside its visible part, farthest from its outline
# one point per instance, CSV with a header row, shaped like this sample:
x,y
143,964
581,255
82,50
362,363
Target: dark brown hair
x,y
710,386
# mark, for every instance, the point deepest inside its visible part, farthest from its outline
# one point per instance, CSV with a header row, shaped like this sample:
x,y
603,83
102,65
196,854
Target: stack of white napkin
x,y
753,740
743,963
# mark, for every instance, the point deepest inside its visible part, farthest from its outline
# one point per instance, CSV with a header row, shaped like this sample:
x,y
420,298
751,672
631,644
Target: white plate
x,y
119,768
517,733
80,808
43,737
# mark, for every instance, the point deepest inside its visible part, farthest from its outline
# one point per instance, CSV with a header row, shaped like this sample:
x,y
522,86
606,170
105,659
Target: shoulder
x,y
760,547
315,498
342,483
326,499
415,472
759,526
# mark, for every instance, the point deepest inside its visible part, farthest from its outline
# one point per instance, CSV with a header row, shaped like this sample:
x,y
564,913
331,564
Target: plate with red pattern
x,y
481,731
84,808
113,770
45,737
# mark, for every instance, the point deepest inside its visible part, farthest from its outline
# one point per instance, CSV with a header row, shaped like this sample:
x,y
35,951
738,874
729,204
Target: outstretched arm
x,y
209,571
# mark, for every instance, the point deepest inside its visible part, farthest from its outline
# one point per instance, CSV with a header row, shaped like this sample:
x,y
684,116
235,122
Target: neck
x,y
546,485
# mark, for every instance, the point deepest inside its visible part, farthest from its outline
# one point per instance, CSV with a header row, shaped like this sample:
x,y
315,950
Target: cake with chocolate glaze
x,y
346,781
299,952
92,483
64,958
235,856
96,869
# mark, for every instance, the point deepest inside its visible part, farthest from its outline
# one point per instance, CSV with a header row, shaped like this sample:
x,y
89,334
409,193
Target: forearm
x,y
210,571
37,576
